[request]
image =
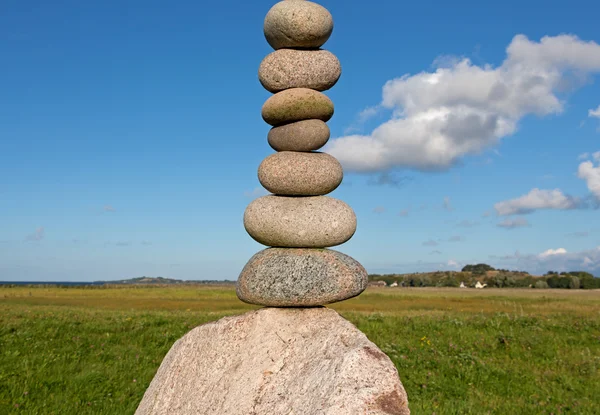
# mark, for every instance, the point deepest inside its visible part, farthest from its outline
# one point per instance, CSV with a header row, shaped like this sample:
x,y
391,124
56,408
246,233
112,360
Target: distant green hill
x,y
162,281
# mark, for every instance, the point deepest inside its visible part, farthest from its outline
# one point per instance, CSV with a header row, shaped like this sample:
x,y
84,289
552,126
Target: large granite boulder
x,y
276,361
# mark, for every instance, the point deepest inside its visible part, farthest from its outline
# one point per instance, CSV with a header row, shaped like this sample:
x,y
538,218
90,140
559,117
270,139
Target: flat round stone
x,y
296,277
305,135
299,222
297,24
290,68
297,104
292,173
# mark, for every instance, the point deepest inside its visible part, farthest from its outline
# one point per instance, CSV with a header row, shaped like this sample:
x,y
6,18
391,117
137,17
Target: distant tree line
x,y
496,278
573,280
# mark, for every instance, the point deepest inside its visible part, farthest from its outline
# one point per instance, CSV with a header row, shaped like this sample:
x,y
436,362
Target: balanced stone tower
x,y
298,221
293,357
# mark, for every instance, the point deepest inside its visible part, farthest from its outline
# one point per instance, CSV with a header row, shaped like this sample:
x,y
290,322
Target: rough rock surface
x,y
306,135
299,222
293,173
297,24
296,104
297,277
276,361
290,68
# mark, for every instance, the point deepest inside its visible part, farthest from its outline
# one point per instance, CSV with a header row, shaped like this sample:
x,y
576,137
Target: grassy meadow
x,y
496,351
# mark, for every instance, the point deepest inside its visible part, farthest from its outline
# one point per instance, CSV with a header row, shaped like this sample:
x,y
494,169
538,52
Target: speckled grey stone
x,y
290,68
297,104
305,135
297,24
299,222
292,173
297,277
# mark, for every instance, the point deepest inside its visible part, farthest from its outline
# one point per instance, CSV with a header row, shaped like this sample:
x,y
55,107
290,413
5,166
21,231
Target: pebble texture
x,y
276,361
297,104
296,277
297,24
306,135
289,68
299,222
292,173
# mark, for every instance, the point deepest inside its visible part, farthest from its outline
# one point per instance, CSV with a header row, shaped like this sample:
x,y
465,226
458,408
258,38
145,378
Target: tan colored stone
x,y
274,361
297,104
299,222
298,277
290,68
305,135
292,173
297,24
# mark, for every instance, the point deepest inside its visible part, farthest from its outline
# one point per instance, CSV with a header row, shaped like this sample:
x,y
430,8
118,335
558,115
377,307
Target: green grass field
x,y
94,351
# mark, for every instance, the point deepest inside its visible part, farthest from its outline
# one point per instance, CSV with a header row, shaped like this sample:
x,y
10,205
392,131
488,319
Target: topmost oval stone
x,y
297,24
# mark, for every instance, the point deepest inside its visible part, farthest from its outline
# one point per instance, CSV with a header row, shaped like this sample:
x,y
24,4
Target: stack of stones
x,y
301,359
297,221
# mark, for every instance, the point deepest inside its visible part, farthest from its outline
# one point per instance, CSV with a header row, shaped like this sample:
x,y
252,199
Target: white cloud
x,y
513,223
555,199
591,174
552,252
452,263
109,208
367,113
38,235
595,113
461,108
537,199
362,118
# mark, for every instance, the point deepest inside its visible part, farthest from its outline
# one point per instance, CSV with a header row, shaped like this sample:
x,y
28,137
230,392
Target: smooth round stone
x,y
296,277
299,222
300,174
306,135
297,24
289,68
297,104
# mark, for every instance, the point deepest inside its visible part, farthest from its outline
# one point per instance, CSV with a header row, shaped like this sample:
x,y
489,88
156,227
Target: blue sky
x,y
130,135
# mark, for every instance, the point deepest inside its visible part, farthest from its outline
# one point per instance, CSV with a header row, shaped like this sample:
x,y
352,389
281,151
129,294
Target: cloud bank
x,y
590,172
537,199
513,223
557,259
461,108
